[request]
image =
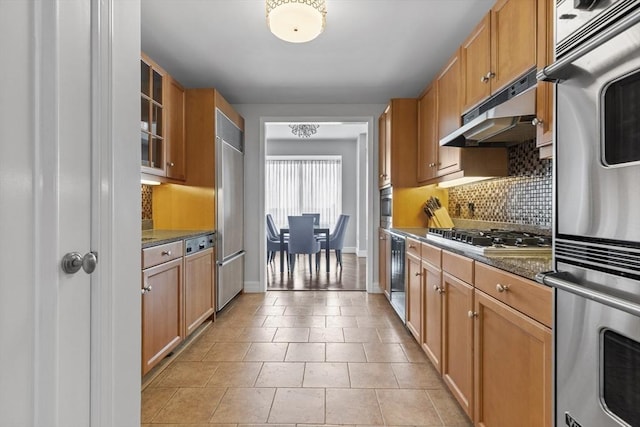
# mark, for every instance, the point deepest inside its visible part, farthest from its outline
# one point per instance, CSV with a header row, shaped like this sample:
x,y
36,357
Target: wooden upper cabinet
x,y
545,90
513,40
397,150
428,143
449,83
176,149
152,116
475,54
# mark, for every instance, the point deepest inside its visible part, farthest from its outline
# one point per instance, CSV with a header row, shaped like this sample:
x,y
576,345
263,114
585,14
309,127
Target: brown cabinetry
x,y
384,260
432,304
449,84
398,132
428,144
500,49
545,90
199,288
413,289
176,150
162,313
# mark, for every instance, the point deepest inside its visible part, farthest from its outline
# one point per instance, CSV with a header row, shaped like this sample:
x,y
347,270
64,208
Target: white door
x,y
65,358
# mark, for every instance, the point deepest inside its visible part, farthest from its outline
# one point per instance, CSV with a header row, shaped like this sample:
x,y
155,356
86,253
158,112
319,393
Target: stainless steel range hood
x,y
502,125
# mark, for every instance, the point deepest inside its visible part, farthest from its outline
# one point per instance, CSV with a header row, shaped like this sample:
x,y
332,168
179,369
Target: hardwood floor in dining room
x,y
351,277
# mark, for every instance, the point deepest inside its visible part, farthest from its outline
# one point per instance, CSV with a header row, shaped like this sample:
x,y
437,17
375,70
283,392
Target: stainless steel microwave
x,y
386,207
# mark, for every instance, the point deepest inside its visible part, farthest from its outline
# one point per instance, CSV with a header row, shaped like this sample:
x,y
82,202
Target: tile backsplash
x,y
147,204
523,197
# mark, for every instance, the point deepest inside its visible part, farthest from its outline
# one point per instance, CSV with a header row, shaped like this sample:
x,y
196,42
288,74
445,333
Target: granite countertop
x,y
524,266
159,237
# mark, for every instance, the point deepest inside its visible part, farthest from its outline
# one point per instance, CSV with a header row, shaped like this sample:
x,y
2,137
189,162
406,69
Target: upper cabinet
x,y
449,83
427,135
500,49
161,122
397,143
545,90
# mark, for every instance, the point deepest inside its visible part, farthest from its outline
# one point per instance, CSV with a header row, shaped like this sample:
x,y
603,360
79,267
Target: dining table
x,y
316,230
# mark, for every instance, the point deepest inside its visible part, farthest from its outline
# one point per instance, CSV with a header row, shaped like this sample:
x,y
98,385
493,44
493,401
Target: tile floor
x,y
301,357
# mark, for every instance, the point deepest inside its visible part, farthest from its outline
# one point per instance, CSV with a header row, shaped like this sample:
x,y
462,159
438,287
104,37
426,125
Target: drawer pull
x,y
412,246
472,314
168,253
418,274
502,288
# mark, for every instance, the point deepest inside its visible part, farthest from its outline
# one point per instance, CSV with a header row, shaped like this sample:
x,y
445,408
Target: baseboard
x,y
362,253
349,250
252,287
375,289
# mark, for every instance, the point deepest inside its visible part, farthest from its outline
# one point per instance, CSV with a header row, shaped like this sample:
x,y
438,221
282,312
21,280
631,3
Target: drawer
x,y
432,255
413,247
458,266
162,253
524,295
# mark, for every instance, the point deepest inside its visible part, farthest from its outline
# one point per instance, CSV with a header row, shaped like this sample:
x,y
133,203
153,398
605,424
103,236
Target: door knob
x,y
72,262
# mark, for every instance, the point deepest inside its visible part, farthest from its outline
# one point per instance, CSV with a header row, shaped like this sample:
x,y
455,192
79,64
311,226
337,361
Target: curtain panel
x,y
299,186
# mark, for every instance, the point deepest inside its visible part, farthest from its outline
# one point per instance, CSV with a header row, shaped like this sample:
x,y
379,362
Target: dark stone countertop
x,y
524,266
159,237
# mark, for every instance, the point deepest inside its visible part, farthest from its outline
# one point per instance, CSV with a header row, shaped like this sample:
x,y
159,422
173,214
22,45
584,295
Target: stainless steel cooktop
x,y
492,242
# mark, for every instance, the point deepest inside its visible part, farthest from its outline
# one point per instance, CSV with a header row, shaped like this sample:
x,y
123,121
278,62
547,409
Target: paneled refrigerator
x,y
229,209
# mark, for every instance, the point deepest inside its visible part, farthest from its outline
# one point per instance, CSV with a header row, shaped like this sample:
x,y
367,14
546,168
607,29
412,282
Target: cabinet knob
x,y
168,253
502,288
412,246
472,314
537,122
432,165
382,238
381,176
146,289
418,274
171,164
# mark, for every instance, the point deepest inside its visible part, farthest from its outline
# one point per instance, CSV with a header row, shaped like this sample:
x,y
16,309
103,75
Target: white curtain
x,y
295,186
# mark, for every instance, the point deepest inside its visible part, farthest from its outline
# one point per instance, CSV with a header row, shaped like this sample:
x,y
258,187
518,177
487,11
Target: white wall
x,y
255,115
362,193
347,149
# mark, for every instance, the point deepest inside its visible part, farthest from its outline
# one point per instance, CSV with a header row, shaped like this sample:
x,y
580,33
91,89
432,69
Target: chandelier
x,y
296,21
304,130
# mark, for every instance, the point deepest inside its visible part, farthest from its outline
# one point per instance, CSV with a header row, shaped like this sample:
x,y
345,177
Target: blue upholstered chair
x,y
316,218
273,239
336,239
302,240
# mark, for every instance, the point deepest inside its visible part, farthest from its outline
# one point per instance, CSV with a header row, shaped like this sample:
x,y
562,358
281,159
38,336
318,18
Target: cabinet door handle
x,y
502,288
146,289
418,274
486,77
472,314
167,253
171,164
537,122
412,246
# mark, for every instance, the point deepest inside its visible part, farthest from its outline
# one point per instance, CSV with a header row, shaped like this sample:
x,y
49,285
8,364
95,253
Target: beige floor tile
x,y
270,310
338,303
298,310
326,375
190,405
298,405
195,352
372,322
266,425
153,399
361,335
244,405
223,334
186,374
326,310
417,375
384,352
391,335
286,374
372,375
345,352
187,425
414,353
235,374
352,406
341,322
266,352
280,321
354,310
291,335
227,352
310,321
407,407
305,352
326,335
256,335
448,409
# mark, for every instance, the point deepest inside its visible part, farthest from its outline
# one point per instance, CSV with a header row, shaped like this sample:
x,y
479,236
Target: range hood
x,y
504,120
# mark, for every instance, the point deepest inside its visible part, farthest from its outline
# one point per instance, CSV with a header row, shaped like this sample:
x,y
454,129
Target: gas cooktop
x,y
494,242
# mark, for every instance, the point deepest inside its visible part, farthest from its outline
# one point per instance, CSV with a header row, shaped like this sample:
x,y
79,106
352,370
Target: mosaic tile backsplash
x,y
523,197
147,205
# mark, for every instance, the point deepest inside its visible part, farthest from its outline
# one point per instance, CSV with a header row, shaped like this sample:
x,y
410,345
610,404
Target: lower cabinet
x,y
161,311
199,288
414,295
384,260
432,297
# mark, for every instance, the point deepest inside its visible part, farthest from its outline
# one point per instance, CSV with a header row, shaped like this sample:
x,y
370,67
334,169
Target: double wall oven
x,y
597,227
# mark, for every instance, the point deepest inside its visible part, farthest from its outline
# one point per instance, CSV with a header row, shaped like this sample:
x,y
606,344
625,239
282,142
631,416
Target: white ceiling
x,y
370,51
326,131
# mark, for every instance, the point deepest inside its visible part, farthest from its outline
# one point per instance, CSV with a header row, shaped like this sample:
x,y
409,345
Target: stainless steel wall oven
x,y
597,226
386,207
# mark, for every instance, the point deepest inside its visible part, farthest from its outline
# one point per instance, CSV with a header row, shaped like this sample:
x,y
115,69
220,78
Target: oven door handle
x,y
558,281
554,72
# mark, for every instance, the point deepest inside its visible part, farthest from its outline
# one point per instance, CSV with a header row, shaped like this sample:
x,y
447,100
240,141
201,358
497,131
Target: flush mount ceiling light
x,y
304,130
296,21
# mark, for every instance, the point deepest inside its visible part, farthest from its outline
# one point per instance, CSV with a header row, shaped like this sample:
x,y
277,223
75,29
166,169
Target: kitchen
x,y
469,206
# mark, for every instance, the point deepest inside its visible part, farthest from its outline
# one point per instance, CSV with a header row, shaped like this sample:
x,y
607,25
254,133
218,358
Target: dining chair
x,y
336,239
302,240
316,218
273,240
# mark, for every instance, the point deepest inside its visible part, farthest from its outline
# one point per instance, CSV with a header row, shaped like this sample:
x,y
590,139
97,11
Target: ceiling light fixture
x,y
304,130
296,21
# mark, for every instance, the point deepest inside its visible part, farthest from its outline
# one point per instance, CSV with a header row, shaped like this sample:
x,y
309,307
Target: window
x,y
296,185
